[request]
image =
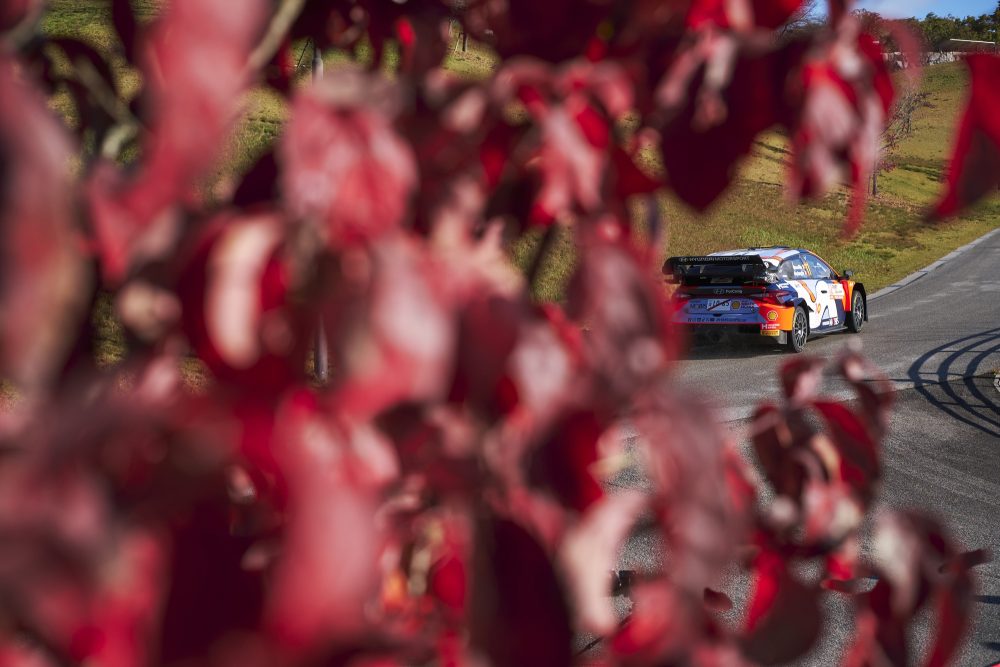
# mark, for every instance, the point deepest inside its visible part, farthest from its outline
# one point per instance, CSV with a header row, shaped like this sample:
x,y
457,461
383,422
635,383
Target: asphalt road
x,y
937,337
941,325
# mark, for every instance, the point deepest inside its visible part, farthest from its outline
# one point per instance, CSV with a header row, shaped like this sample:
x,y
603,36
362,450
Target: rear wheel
x,y
856,318
797,337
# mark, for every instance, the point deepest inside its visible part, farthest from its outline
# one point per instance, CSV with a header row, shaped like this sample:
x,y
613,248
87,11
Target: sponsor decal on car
x,y
735,305
812,297
770,332
772,315
707,304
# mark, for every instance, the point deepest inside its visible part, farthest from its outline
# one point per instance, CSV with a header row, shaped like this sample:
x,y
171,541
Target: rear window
x,y
721,270
716,269
793,269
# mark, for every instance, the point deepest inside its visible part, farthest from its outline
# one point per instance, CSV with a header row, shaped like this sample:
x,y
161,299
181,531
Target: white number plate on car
x,y
712,304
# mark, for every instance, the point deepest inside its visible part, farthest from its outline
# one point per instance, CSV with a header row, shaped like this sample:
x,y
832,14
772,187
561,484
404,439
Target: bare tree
x,y
805,19
899,127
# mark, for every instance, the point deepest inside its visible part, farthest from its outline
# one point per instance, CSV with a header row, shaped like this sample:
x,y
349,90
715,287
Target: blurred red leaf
x,y
519,611
210,595
190,108
974,169
909,550
630,179
43,281
440,497
784,618
563,462
237,308
743,15
590,550
17,12
663,623
720,112
390,323
629,316
567,160
328,568
344,167
847,93
523,27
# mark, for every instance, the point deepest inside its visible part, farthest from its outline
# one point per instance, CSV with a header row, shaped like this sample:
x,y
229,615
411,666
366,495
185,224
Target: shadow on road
x,y
749,346
934,376
732,349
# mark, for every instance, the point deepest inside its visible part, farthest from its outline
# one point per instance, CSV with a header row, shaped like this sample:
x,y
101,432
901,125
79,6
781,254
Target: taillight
x,y
776,298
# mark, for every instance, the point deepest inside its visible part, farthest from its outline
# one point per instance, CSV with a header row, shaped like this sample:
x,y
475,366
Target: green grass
x,y
894,241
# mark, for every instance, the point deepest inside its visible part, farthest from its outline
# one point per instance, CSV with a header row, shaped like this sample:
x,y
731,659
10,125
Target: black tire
x,y
856,318
795,340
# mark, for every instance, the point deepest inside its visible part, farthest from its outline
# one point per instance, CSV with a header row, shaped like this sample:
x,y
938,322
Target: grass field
x,y
894,241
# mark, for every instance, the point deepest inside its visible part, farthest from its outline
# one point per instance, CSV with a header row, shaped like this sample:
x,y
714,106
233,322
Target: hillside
x,y
894,241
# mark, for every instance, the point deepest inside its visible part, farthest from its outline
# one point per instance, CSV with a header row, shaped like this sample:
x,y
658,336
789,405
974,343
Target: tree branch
x,y
280,24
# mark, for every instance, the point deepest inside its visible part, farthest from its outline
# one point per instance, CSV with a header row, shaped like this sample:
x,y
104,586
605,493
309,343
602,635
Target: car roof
x,y
774,253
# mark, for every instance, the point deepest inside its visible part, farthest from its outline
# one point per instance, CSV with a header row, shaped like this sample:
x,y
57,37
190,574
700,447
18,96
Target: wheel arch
x,y
800,302
864,295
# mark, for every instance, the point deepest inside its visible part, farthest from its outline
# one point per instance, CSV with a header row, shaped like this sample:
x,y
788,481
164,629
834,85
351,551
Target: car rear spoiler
x,y
676,268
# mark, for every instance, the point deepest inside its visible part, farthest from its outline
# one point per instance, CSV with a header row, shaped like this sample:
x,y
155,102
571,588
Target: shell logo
x,y
772,315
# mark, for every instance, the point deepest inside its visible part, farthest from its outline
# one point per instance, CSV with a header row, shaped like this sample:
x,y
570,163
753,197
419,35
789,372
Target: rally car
x,y
786,294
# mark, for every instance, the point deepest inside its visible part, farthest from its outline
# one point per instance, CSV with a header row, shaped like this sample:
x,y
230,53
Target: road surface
x,y
938,339
941,325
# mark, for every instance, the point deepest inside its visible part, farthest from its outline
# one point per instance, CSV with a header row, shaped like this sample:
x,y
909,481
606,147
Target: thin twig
x,y
106,98
281,23
302,53
590,645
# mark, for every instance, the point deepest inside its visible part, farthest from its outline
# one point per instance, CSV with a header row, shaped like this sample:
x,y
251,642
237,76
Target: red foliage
x,y
18,12
237,306
42,273
975,163
443,496
343,166
187,115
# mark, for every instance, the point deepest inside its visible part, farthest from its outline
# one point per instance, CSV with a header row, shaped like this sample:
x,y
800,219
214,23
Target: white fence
x,y
897,60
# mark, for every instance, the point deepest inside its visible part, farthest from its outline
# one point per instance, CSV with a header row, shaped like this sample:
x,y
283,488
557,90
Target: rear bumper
x,y
712,333
765,320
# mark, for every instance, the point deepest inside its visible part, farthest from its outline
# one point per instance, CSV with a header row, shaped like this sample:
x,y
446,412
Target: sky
x,y
920,8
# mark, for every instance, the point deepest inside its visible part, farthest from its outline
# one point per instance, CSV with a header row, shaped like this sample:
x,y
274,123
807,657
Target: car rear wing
x,y
694,269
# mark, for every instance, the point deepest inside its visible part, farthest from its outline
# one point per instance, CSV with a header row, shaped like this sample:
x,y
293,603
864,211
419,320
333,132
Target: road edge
x,y
917,275
744,412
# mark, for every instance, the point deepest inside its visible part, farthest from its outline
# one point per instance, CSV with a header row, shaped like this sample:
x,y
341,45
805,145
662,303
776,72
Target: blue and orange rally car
x,y
788,294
